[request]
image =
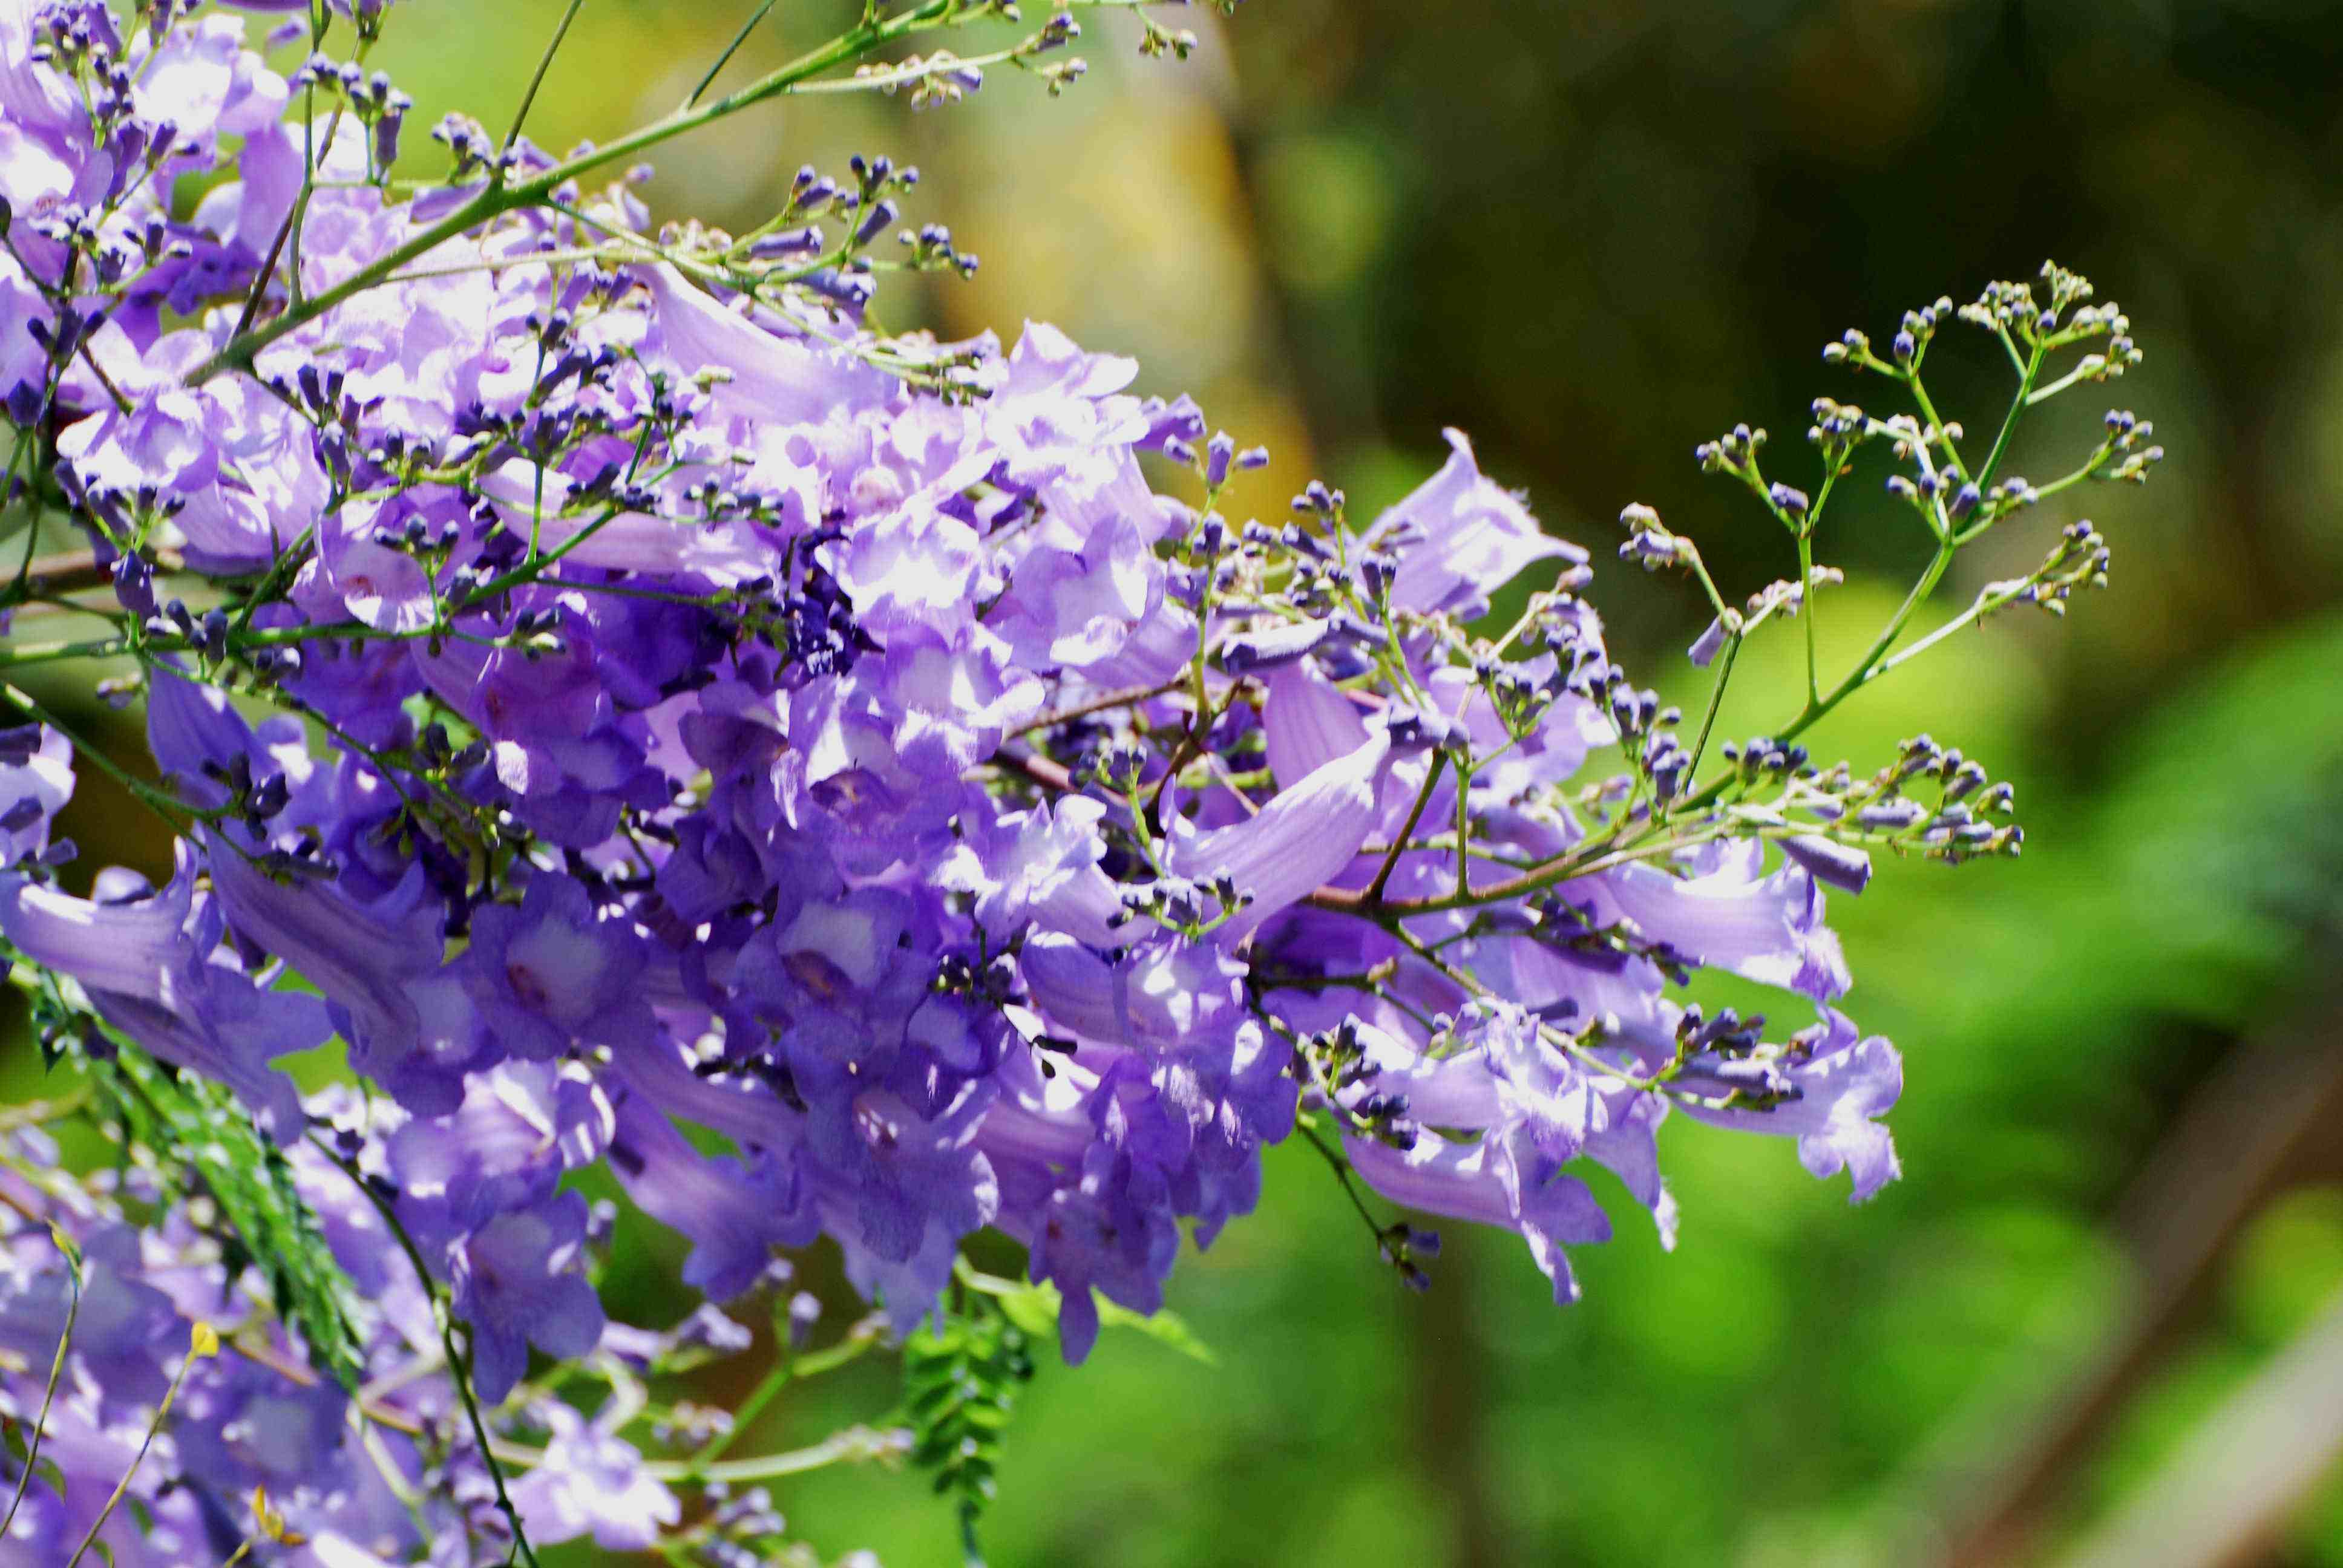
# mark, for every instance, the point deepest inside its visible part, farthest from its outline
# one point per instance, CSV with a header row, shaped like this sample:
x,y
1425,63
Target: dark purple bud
x,y
1218,453
133,584
787,242
876,221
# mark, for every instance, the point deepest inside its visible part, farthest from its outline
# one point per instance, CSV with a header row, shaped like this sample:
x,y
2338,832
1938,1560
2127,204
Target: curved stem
x,y
544,64
724,59
121,1487
459,1366
49,1394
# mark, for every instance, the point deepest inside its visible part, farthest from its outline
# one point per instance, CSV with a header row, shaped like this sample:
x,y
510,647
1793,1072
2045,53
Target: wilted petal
x,y
1460,537
1843,1086
772,379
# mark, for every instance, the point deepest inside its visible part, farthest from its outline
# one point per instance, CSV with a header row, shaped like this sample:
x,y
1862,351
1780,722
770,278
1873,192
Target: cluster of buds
x,y
1724,1062
1155,40
1183,904
378,104
2079,559
1650,544
942,78
1338,1064
2131,444
1735,452
1837,430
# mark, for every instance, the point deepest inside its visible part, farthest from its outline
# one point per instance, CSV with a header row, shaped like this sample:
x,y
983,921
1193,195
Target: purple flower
x,y
1843,866
1300,840
410,1028
1843,1081
239,1425
708,688
735,1211
520,1127
591,1483
1459,536
155,968
1098,1234
36,779
122,1332
1481,1181
551,972
1040,867
24,367
765,377
1729,915
1707,646
520,1281
1308,722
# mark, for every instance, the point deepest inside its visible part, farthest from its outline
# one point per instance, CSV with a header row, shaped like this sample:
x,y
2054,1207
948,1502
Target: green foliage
x,y
962,1376
205,1144
1034,1309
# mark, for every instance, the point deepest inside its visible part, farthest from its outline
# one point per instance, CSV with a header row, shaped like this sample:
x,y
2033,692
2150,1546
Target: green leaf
x,y
1165,1327
960,1382
1034,1309
205,1142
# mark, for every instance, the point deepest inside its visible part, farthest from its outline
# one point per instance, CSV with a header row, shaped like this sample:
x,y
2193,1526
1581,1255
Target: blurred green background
x,y
2090,1325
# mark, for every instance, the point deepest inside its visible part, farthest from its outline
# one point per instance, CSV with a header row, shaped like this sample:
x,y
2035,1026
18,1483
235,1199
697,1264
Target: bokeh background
x,y
2101,1319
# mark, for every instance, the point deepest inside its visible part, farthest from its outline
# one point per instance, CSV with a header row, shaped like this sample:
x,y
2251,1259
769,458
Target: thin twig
x,y
729,50
544,64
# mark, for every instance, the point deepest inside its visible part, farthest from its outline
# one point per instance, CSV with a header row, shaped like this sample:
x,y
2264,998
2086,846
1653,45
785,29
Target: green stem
x,y
1463,830
544,64
1343,1173
49,1394
162,1413
1715,701
2018,406
1374,892
1986,605
459,1366
1806,603
854,1443
729,50
789,1369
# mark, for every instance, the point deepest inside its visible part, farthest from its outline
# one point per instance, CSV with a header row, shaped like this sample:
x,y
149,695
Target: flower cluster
x,y
641,702
125,1311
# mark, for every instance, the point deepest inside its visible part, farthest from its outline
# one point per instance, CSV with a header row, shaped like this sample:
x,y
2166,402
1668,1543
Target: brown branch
x,y
2269,1118
1101,704
69,571
2223,1499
